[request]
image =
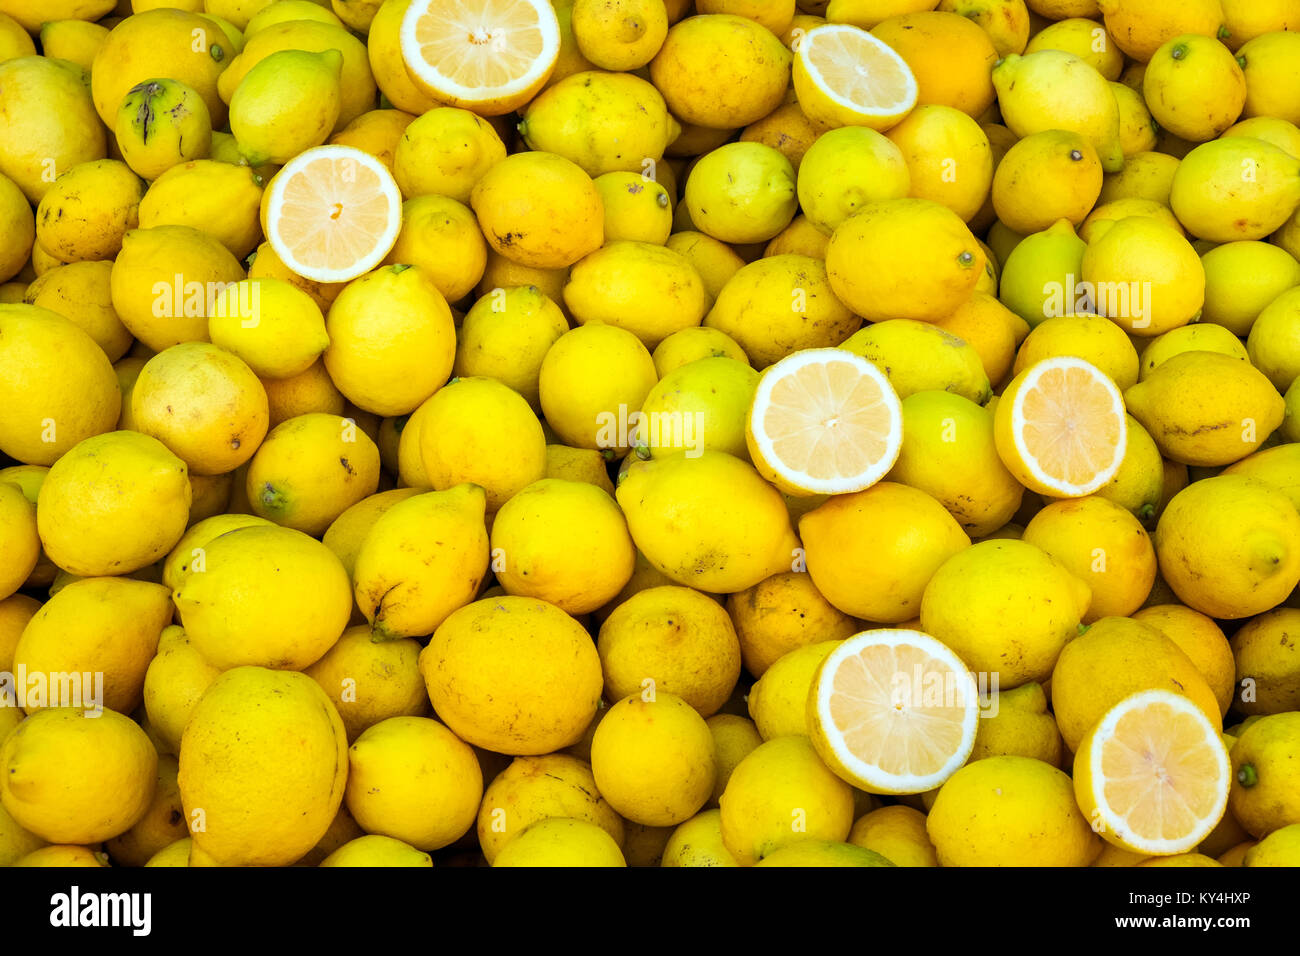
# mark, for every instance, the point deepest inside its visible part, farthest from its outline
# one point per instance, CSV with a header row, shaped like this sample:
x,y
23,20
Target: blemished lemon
x,y
616,373
391,340
204,404
1021,726
412,779
445,151
82,292
734,738
635,208
1199,427
741,193
561,842
919,356
1265,655
604,122
310,469
423,558
1104,546
648,289
1241,279
619,34
258,804
1235,188
371,680
514,675
730,511
698,842
67,636
781,304
964,608
783,613
89,533
846,168
267,596
915,237
985,813
173,684
88,210
898,834
1136,657
858,559
1263,766
506,334
1046,176
1053,89
538,788
77,776
949,452
778,701
780,782
539,209
721,71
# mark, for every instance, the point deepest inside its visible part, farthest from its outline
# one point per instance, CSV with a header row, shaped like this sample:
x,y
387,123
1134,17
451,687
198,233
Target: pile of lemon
x,y
637,432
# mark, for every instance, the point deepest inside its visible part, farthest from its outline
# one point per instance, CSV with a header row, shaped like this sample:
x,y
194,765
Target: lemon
x,y
383,47
162,824
1040,272
445,152
391,340
636,208
1138,132
1117,657
376,132
75,776
949,158
273,326
1269,66
691,345
1235,188
506,334
87,211
604,122
267,264
539,209
619,34
69,634
1017,723
949,453
167,281
898,834
823,853
217,198
357,85
1088,337
781,614
371,680
779,796
1010,811
1144,276
701,405
1086,39
614,372
1175,407
918,356
991,329
858,559
649,290
82,292
1192,69
978,593
63,856
537,788
742,192
1201,640
22,544
1202,337
1138,485
1266,661
1065,175
285,10
16,842
1279,848
173,683
480,431
734,738
1273,345
1241,279
561,842
1053,89
949,55
731,531
781,304
778,701
15,40
174,854
246,802
721,71
916,237
578,464
1279,132
1140,28
1264,795
412,779
347,534
786,129
47,126
802,238
15,612
503,273
19,230
846,168
190,548
377,850
309,391
698,842
407,576
161,123
88,532
1274,466
288,102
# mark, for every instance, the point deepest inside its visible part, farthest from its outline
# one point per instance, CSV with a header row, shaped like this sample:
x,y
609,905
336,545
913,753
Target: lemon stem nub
x,y
1247,776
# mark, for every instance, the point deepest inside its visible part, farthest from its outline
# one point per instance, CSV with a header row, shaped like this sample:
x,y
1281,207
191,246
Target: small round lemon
x,y
846,168
561,842
653,759
741,193
268,323
1266,654
1018,723
778,701
649,290
441,237
919,356
370,681
445,152
898,834
783,613
173,684
636,208
619,34
690,345
377,850
591,381
1241,279
1058,169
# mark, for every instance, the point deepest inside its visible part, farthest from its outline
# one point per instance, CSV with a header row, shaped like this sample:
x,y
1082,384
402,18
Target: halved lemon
x,y
489,56
1060,427
824,421
893,711
844,76
332,213
1153,775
